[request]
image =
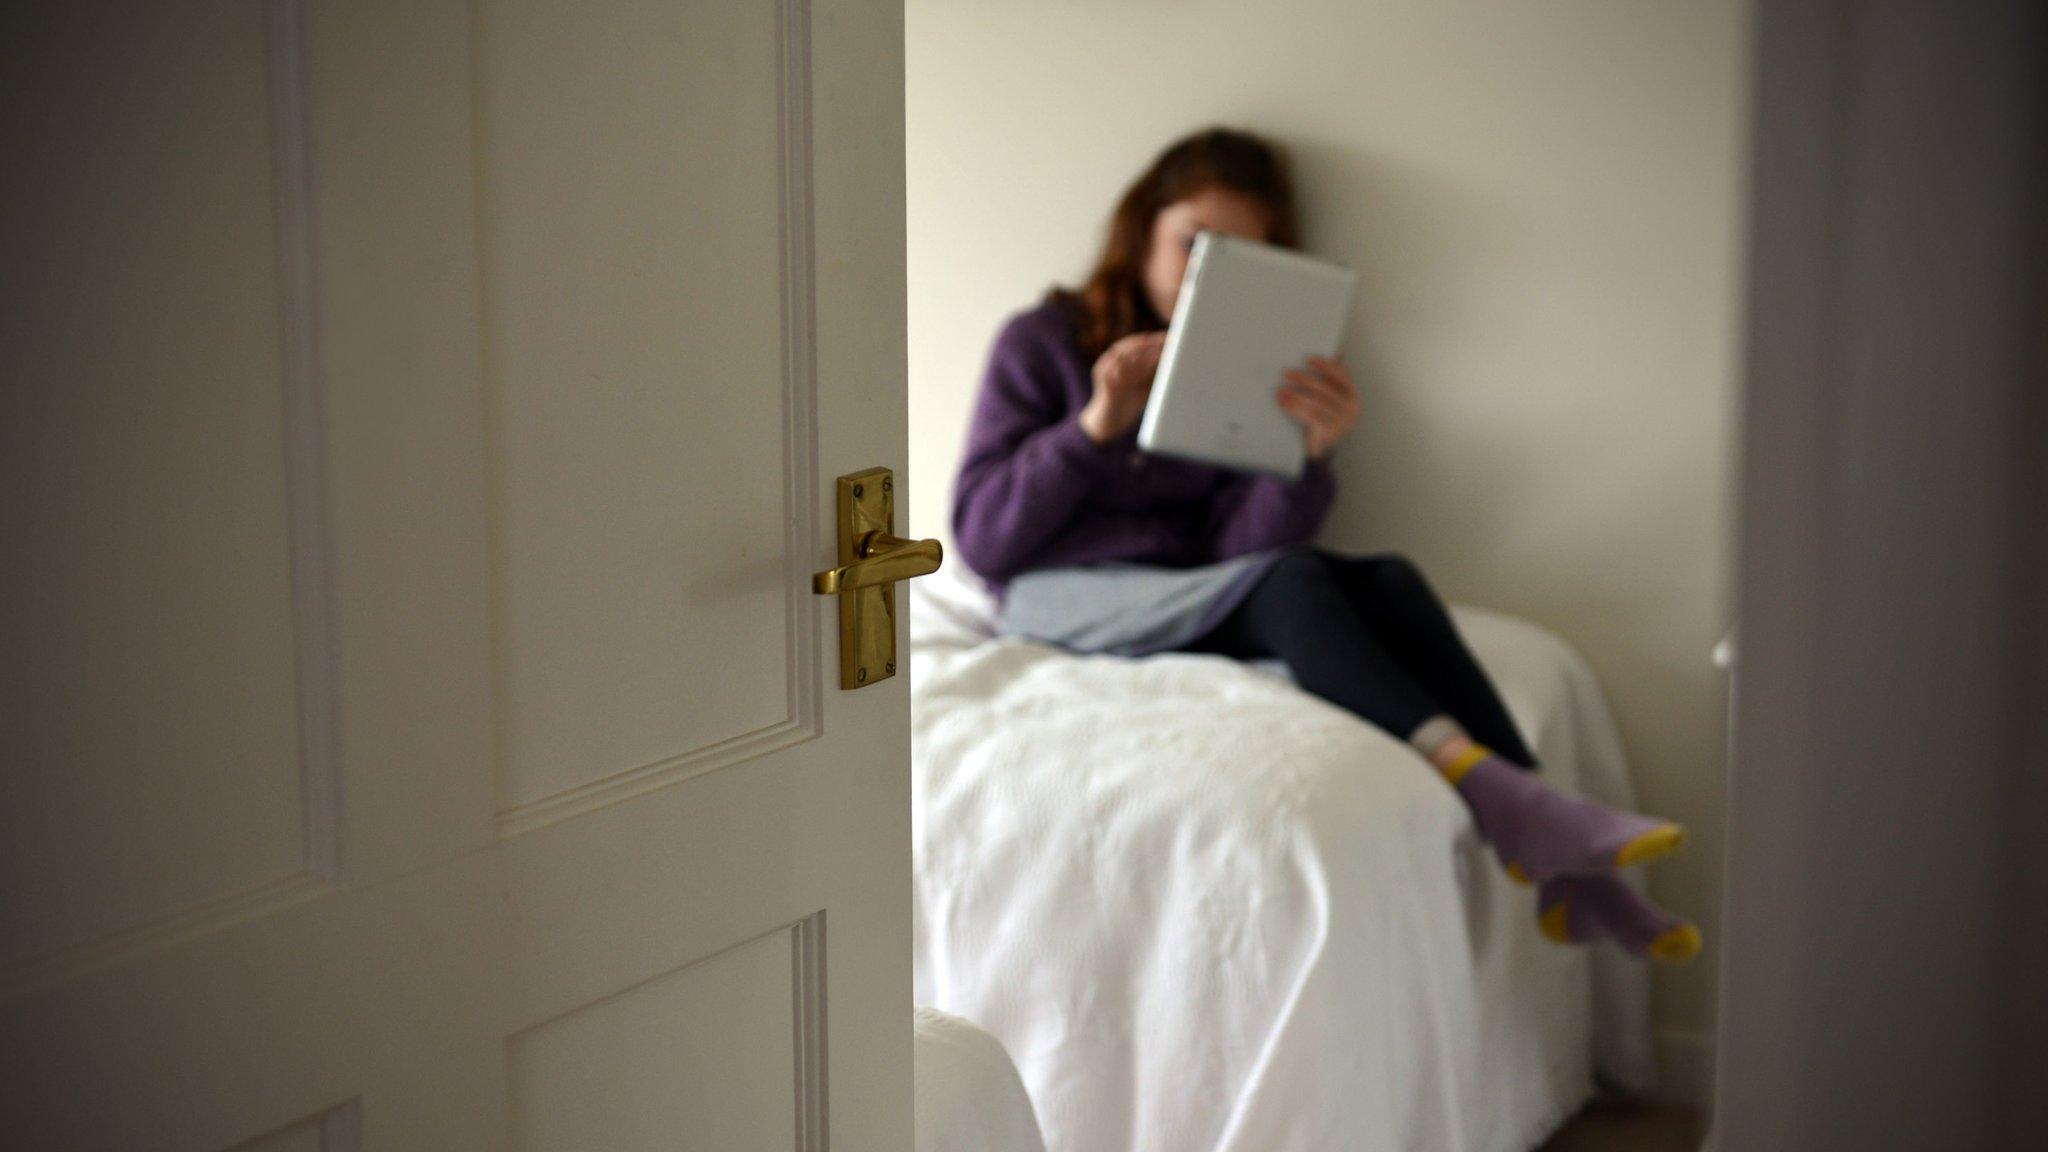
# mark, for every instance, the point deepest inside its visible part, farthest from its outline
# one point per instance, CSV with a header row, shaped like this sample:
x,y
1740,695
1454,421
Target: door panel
x,y
424,418
615,251
145,514
625,1071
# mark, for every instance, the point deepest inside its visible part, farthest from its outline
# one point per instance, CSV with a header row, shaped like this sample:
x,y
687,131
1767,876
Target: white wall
x,y
1543,199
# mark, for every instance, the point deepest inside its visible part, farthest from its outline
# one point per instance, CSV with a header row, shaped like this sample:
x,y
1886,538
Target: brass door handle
x,y
884,559
872,558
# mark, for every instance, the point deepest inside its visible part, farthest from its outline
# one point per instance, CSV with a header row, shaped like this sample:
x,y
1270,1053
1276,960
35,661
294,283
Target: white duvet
x,y
1206,911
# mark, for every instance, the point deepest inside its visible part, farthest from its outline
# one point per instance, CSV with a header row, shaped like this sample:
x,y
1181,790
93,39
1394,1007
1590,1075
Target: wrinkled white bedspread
x,y
1206,911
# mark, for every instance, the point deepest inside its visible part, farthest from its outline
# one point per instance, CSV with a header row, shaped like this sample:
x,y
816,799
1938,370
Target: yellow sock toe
x,y
1658,842
1519,874
1677,945
1554,924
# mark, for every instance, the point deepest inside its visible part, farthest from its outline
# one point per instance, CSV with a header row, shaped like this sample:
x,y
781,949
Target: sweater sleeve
x,y
1029,465
1254,513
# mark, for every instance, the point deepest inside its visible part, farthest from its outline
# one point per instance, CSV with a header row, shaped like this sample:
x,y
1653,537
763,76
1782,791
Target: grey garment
x,y
1128,609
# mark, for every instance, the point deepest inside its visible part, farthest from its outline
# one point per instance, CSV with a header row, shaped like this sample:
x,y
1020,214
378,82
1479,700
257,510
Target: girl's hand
x,y
1322,400
1123,381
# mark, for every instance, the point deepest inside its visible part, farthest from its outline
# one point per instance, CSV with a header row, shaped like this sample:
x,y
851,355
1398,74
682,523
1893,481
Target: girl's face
x,y
1213,209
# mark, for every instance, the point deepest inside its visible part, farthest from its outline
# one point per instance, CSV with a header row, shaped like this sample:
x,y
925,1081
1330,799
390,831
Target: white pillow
x,y
969,1097
952,606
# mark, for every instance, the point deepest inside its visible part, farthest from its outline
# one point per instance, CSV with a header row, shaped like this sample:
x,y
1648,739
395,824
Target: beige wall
x,y
1543,199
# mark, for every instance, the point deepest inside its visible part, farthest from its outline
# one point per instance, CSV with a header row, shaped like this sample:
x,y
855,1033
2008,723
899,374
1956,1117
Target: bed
x,y
1206,912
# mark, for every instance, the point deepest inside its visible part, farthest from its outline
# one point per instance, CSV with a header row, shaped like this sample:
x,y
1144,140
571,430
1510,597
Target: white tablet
x,y
1247,312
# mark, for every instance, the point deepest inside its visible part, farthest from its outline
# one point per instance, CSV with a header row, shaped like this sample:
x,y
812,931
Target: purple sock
x,y
1539,832
1581,909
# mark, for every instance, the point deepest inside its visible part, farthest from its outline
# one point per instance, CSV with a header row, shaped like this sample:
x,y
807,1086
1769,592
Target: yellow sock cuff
x,y
1464,761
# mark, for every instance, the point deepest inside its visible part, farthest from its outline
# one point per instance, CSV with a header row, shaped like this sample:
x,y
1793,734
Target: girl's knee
x,y
1301,568
1395,573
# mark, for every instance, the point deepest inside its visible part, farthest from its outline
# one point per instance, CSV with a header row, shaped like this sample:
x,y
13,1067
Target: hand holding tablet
x,y
1321,398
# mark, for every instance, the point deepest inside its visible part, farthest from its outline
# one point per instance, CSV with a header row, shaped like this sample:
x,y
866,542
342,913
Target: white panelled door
x,y
418,424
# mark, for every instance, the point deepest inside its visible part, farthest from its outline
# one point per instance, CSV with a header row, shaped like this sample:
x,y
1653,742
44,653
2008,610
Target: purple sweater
x,y
1035,492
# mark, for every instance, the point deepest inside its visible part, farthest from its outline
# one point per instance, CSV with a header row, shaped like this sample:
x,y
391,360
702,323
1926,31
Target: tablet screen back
x,y
1247,312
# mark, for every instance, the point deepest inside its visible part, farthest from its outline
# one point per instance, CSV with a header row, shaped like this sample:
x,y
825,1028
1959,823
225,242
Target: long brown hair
x,y
1111,303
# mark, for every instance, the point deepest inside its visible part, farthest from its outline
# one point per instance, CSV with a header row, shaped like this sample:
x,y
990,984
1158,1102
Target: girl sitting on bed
x,y
1098,547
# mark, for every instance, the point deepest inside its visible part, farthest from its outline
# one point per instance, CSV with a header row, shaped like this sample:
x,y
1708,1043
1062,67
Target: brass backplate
x,y
867,616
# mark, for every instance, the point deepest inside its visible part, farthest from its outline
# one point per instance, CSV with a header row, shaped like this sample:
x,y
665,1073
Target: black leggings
x,y
1367,634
